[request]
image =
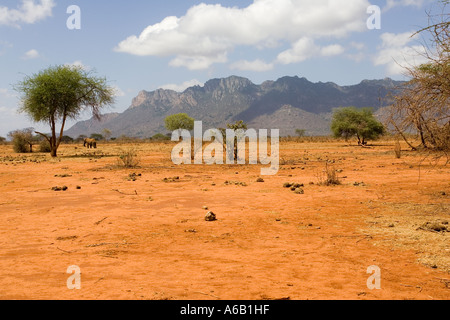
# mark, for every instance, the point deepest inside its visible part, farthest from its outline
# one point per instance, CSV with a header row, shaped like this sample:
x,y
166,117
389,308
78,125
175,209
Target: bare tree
x,y
422,106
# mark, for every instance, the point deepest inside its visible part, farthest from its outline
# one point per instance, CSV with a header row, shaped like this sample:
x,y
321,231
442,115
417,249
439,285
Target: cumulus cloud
x,y
207,33
397,51
32,54
183,86
305,48
28,12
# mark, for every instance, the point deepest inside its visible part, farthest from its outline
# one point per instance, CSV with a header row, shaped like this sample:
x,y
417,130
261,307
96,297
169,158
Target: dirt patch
x,y
144,235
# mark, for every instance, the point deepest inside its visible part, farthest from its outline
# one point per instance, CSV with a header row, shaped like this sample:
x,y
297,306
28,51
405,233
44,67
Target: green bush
x,y
160,137
44,146
22,140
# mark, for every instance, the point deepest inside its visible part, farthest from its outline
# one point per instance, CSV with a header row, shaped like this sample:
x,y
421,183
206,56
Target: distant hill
x,y
287,104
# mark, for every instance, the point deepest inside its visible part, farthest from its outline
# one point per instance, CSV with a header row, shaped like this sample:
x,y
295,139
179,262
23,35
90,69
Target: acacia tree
x,y
60,93
422,105
179,121
350,121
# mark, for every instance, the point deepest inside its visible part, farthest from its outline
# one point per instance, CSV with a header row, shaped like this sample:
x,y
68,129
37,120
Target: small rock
x,y
205,208
78,187
260,180
210,216
299,191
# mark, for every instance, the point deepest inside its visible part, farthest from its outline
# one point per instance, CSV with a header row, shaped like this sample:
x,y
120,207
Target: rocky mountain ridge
x,y
288,103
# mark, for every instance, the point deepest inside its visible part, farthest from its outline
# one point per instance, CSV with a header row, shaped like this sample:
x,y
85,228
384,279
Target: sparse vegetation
x,y
329,176
22,140
44,146
350,121
97,136
128,158
67,139
300,132
160,137
106,133
422,106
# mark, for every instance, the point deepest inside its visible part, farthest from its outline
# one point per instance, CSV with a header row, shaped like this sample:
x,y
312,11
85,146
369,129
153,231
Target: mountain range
x,y
288,103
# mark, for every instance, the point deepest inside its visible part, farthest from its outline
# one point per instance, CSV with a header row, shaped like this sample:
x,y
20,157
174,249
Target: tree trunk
x,y
53,146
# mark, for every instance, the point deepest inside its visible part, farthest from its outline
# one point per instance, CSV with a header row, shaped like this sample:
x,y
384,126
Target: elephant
x,y
90,143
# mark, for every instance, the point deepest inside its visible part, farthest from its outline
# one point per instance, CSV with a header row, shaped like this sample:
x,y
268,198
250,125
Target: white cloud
x,y
198,62
207,33
255,65
118,92
405,3
183,86
332,50
396,52
28,12
305,48
32,54
79,64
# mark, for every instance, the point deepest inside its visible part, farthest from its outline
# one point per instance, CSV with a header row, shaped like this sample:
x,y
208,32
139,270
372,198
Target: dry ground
x,y
144,237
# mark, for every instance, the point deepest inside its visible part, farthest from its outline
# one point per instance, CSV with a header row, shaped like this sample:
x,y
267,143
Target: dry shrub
x,y
329,176
128,158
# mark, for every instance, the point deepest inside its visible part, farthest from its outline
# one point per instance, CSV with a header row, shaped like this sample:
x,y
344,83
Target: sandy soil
x,y
145,237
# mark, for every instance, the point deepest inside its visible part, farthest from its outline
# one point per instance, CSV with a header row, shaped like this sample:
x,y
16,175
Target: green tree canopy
x,y
300,132
350,121
97,136
179,121
60,93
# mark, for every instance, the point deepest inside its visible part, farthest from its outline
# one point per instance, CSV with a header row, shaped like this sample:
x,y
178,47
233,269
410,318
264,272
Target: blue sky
x,y
146,45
